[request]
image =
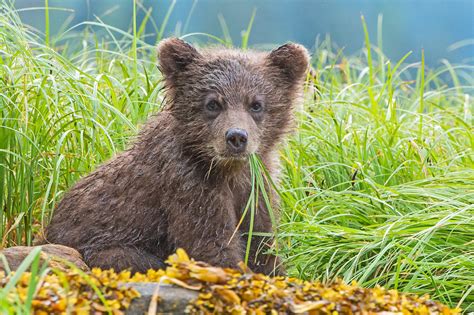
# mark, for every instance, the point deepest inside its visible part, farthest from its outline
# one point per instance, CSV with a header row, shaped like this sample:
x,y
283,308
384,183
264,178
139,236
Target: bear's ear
x,y
292,60
174,56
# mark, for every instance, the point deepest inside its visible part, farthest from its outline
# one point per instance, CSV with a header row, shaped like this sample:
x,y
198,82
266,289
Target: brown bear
x,y
186,180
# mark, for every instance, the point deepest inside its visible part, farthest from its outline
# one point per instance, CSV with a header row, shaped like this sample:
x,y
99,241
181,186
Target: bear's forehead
x,y
230,76
232,68
233,60
233,54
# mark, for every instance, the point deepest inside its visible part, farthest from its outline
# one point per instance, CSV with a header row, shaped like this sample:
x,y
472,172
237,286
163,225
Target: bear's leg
x,y
121,258
260,262
216,247
209,237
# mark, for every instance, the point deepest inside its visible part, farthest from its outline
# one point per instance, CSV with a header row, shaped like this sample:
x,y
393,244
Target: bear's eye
x,y
256,107
213,106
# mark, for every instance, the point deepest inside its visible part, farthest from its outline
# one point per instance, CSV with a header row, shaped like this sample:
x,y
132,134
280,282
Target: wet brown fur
x,y
177,186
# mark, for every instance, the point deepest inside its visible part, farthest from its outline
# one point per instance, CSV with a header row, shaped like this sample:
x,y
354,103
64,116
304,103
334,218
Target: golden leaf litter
x,y
221,290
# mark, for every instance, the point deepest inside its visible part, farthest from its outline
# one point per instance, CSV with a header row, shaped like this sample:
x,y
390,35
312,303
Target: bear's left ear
x,y
291,59
174,56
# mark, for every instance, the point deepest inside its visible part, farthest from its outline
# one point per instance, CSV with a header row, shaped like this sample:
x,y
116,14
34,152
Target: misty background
x,y
443,28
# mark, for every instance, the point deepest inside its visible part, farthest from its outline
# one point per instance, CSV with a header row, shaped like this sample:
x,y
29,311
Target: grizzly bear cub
x,y
186,180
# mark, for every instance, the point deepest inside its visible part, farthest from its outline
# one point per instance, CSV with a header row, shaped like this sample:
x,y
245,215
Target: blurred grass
x,y
13,304
378,180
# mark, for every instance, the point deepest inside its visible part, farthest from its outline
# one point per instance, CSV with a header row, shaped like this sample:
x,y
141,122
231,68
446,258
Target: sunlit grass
x,y
378,180
61,114
378,184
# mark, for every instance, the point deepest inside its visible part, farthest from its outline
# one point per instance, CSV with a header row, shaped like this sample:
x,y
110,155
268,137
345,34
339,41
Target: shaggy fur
x,y
178,185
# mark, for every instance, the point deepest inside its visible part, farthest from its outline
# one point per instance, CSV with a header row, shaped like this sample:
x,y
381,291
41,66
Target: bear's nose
x,y
236,139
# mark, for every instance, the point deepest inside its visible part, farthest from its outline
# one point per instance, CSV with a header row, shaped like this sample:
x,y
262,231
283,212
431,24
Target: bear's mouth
x,y
234,157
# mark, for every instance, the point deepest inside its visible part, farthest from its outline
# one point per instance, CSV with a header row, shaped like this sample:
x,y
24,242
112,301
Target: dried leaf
x,y
221,290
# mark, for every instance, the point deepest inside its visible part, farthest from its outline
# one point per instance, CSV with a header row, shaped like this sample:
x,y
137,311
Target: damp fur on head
x,y
235,80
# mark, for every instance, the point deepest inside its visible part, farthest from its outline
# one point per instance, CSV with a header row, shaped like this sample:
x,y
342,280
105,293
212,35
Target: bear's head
x,y
230,103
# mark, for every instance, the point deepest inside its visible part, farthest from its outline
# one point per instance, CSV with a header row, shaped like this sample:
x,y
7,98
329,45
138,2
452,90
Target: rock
x,y
54,254
172,299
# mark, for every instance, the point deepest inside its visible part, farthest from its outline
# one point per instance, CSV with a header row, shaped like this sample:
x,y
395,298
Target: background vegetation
x,y
378,181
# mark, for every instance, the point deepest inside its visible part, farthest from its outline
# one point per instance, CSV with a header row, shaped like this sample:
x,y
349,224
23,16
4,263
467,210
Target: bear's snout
x,y
236,140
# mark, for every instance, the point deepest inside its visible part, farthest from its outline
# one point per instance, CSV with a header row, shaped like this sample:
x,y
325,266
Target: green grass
x,y
378,180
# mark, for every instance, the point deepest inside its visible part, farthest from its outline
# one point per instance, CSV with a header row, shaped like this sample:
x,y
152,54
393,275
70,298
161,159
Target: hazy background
x,y
444,28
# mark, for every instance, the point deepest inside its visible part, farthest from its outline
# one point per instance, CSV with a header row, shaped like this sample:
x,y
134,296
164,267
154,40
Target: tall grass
x,y
378,180
63,110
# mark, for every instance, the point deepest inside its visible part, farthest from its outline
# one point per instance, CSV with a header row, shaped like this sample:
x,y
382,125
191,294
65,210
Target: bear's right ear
x,y
174,56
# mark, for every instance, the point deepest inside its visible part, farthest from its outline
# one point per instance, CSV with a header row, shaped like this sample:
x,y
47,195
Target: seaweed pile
x,y
221,290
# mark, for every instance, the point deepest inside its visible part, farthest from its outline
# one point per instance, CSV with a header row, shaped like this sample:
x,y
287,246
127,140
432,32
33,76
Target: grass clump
x,y
377,182
63,110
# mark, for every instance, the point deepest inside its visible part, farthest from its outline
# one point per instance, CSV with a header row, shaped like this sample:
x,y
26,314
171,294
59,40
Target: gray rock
x,y
172,299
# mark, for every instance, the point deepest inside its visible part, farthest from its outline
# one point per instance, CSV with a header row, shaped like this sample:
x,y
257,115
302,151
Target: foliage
x,y
378,184
33,288
221,291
